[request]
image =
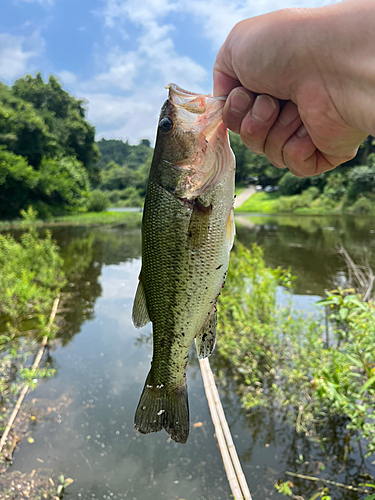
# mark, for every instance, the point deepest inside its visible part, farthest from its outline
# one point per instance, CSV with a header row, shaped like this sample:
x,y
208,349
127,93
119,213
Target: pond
x,y
102,362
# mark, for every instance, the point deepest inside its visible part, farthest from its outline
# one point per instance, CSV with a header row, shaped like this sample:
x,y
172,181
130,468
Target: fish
x,y
187,234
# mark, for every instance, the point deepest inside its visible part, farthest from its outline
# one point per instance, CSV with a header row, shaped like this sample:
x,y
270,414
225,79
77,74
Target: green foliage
x,y
63,116
362,205
30,279
48,153
335,187
249,164
279,358
293,203
99,201
58,184
350,188
125,183
290,184
362,179
31,275
123,153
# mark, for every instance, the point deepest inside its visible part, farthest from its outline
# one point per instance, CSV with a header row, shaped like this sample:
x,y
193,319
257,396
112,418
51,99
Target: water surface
x,y
102,362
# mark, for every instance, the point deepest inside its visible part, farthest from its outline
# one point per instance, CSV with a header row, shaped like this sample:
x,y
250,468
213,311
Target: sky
x,y
118,55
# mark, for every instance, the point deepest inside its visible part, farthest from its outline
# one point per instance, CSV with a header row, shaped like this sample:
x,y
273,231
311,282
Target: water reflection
x,y
308,245
104,368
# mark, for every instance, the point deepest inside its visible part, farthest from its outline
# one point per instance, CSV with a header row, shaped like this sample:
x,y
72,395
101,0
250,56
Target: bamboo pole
x,y
327,481
26,388
236,477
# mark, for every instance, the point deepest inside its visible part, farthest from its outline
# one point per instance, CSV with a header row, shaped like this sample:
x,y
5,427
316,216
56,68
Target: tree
x,y
48,152
64,120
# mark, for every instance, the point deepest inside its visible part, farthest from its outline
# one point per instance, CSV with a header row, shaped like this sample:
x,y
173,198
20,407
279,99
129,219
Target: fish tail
x,y
159,407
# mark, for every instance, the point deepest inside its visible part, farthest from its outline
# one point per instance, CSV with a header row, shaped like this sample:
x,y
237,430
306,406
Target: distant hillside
x,y
123,153
124,171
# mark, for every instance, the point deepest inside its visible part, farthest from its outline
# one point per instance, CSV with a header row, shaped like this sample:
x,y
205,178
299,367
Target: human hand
x,y
294,94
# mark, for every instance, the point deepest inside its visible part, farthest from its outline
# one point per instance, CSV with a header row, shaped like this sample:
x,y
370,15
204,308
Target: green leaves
x,y
278,356
48,152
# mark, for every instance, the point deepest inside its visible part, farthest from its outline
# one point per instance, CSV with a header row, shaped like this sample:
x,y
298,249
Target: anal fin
x,y
140,314
231,230
205,340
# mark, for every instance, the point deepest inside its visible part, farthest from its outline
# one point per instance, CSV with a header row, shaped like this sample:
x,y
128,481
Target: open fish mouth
x,y
199,112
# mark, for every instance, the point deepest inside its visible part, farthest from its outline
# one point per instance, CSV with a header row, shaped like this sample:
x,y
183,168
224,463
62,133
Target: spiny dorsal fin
x,y
206,339
140,312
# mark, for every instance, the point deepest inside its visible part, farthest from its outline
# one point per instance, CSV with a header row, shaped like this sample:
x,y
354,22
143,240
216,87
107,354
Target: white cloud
x,y
124,118
67,77
16,53
124,98
122,69
139,12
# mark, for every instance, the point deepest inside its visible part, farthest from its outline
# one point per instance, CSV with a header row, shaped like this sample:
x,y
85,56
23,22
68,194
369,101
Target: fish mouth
x,y
200,111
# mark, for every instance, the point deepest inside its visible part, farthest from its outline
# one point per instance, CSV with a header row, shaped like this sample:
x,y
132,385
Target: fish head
x,y
191,143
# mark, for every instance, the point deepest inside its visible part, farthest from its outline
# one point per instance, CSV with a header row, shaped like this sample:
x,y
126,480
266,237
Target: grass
x,y
260,203
130,220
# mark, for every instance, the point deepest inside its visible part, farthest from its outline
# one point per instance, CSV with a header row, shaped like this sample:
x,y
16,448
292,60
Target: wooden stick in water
x,y
236,477
26,388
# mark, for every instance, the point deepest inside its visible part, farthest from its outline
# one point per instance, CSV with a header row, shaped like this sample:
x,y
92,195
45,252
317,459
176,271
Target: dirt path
x,y
245,195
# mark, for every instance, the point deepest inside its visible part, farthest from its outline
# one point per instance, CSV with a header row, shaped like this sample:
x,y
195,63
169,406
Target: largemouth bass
x,y
187,235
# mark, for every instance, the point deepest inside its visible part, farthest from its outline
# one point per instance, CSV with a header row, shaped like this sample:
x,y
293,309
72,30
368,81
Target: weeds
x,y
282,359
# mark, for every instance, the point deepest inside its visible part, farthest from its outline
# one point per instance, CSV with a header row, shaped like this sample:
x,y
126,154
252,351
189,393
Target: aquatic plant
x,y
282,358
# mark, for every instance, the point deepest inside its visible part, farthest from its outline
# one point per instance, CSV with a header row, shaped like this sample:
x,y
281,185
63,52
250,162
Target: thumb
x,y
223,83
224,77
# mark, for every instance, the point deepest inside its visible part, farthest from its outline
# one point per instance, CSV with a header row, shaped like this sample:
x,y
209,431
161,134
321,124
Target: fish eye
x,y
165,125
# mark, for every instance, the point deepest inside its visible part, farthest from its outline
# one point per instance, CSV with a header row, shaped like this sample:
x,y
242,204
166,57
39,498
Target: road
x,y
245,195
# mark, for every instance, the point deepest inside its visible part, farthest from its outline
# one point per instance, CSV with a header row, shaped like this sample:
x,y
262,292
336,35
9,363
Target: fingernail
x,y
288,115
301,132
263,109
239,102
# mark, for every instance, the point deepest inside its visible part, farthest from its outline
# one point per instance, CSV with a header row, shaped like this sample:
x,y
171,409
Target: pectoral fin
x,y
199,223
206,339
140,312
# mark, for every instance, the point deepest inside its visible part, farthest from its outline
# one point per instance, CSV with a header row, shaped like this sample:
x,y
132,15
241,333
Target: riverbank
x,y
129,220
303,204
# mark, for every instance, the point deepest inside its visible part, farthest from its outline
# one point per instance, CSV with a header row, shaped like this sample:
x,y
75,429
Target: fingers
x,y
281,136
283,129
251,117
304,160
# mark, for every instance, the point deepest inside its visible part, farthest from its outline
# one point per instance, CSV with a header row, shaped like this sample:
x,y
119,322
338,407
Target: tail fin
x,y
160,408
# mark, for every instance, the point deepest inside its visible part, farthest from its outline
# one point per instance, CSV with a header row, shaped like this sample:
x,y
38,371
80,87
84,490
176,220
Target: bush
x,y
130,197
362,180
277,356
99,201
290,184
335,187
362,206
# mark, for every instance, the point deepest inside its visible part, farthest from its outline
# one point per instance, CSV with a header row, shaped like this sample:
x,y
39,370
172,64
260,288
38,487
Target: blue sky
x,y
118,55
